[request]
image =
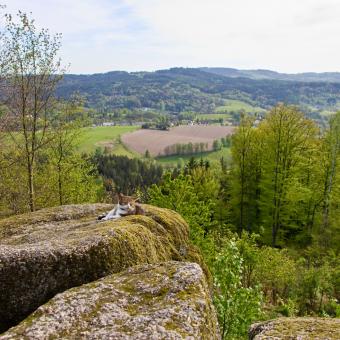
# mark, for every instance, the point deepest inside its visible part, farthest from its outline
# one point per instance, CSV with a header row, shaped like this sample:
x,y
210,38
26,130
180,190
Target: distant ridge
x,y
330,77
204,90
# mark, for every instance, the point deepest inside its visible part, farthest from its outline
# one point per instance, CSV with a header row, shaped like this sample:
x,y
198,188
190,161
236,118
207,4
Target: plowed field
x,y
155,140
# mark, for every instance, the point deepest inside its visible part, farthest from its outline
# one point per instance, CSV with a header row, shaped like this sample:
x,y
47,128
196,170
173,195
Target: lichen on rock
x,y
169,300
52,250
307,328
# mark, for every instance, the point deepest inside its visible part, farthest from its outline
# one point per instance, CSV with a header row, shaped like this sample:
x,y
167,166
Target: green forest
x,y
265,217
183,89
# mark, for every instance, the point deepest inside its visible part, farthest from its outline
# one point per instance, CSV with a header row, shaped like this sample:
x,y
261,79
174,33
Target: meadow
x,y
105,137
237,105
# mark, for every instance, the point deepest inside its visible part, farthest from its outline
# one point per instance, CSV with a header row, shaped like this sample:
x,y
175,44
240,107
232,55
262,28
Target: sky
x,y
144,35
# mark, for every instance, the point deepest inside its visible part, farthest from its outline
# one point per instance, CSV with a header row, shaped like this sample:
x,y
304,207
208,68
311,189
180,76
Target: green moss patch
x,y
52,250
297,328
141,302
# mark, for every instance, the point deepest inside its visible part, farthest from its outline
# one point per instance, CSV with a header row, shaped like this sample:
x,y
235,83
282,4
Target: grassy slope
x,y
236,105
214,116
122,150
105,135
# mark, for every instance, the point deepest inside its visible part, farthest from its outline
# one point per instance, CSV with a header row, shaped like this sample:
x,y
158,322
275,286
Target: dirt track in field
x,y
155,140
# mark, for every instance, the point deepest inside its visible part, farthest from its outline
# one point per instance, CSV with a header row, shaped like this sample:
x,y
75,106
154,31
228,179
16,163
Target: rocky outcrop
x,y
168,300
52,250
296,328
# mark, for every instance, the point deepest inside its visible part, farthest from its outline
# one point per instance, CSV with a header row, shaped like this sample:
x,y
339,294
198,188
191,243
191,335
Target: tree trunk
x,y
31,186
274,235
60,185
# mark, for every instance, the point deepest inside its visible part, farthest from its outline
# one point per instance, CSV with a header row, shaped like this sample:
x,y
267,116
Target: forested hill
x,y
189,89
332,77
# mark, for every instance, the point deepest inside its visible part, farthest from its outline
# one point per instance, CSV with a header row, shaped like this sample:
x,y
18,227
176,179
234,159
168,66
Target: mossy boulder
x,y
52,250
169,300
296,329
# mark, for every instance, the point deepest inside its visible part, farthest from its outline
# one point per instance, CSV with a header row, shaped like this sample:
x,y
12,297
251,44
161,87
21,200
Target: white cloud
x,y
102,35
288,35
68,16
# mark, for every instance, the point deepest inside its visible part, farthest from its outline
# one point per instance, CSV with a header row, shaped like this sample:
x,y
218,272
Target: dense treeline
x,y
196,148
267,220
179,89
285,178
122,174
186,149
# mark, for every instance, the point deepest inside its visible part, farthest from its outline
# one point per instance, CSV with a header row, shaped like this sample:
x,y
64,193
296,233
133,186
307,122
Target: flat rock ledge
x,y
296,329
169,300
52,250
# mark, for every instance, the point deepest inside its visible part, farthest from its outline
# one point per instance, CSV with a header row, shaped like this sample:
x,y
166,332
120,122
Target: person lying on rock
x,y
127,205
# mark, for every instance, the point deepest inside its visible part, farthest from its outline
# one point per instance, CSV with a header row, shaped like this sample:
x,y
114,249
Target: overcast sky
x,y
105,35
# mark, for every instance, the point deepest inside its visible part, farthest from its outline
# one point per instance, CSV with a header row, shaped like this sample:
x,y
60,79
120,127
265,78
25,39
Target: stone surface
x,y
169,300
296,329
52,250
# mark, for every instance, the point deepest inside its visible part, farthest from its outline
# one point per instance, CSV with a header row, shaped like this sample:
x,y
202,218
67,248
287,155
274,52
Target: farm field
x,y
236,105
105,136
156,141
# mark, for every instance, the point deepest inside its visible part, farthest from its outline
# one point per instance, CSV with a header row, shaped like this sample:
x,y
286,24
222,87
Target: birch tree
x,y
30,70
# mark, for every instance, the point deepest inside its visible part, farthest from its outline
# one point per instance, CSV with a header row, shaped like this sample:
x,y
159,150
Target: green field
x,y
237,105
213,116
105,136
327,113
212,156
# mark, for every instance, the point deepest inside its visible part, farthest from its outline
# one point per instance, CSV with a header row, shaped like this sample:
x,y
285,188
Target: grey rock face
x,y
52,250
296,329
168,300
